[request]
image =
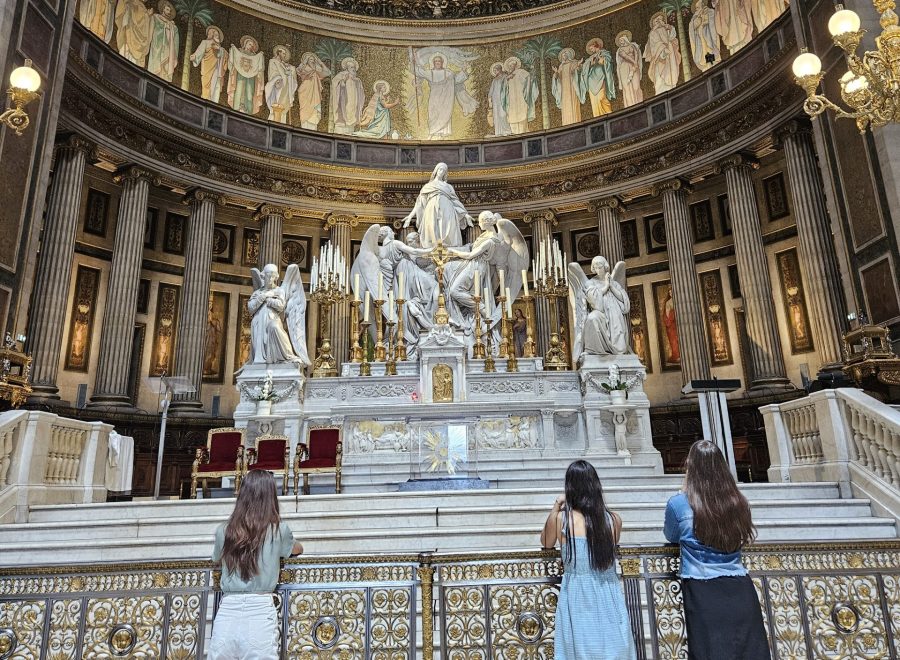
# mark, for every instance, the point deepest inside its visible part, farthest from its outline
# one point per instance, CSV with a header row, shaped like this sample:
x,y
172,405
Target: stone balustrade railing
x,y
841,435
48,459
821,600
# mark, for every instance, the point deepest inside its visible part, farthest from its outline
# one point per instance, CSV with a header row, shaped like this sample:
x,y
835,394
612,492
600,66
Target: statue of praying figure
x,y
278,324
439,214
601,309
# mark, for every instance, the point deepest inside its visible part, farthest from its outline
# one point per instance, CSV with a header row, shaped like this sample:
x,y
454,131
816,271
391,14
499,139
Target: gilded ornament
x,y
122,639
845,617
630,566
8,642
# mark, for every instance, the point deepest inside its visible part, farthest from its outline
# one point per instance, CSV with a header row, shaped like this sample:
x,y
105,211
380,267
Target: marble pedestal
x,y
285,416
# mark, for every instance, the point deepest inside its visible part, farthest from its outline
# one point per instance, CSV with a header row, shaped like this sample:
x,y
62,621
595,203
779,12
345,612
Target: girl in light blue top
x,y
710,519
591,618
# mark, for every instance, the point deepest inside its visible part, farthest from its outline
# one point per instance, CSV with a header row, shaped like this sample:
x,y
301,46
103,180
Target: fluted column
x,y
54,271
117,334
542,224
271,226
194,310
609,230
339,227
819,262
685,287
753,272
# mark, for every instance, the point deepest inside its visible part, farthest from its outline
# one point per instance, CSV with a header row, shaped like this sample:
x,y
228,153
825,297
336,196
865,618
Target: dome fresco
x,y
440,92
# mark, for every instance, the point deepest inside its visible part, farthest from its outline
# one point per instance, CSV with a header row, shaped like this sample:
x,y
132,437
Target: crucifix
x,y
440,255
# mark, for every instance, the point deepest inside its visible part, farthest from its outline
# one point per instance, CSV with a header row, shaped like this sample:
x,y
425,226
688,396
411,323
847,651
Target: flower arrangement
x,y
614,383
266,391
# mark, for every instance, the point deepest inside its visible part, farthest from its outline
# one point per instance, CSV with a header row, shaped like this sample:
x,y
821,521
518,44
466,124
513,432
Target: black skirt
x,y
723,620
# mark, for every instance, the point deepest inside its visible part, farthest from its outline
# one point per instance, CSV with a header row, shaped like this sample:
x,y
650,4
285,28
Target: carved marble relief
x,y
250,251
702,222
442,383
585,244
223,243
96,213
776,196
216,332
637,317
794,299
81,324
655,233
150,223
716,318
630,247
296,250
174,237
162,357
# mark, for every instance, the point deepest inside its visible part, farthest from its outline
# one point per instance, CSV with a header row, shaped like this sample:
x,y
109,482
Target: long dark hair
x,y
255,516
584,494
722,517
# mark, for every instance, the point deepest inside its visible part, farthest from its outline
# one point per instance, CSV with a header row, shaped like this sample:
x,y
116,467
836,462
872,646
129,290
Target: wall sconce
x,y
24,83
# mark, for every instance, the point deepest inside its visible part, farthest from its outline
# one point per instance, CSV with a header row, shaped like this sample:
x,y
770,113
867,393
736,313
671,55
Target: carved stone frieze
x,y
494,386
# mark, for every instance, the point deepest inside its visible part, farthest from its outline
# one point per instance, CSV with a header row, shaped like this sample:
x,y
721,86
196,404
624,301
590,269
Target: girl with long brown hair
x,y
710,519
250,547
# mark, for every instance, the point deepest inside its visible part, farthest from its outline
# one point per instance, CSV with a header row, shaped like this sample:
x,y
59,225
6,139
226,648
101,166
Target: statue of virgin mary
x,y
440,215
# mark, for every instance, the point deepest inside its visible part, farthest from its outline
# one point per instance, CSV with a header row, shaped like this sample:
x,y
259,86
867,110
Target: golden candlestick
x,y
380,348
478,352
400,344
365,368
355,348
390,367
490,366
504,340
530,348
327,293
512,364
553,287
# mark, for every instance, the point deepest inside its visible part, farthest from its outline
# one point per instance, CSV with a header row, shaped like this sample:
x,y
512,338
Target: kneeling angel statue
x,y
278,325
601,309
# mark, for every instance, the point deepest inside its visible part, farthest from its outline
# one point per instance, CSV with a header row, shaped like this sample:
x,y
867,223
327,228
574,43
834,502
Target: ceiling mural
x,y
440,92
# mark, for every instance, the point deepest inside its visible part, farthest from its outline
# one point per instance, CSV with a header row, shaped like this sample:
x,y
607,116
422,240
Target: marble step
x,y
22,551
656,490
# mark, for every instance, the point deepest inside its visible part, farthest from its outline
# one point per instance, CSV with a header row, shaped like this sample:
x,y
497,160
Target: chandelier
x,y
871,86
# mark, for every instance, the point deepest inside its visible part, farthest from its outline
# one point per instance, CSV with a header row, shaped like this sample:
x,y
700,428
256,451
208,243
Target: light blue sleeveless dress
x,y
591,619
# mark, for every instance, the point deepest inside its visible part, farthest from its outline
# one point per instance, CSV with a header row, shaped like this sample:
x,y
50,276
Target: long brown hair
x,y
722,517
255,516
584,494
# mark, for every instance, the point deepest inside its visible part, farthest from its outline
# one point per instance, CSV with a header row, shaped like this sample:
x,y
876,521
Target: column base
x,y
44,392
186,408
47,397
771,384
110,401
830,376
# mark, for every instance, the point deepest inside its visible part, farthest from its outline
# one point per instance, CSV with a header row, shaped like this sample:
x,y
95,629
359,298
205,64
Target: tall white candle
x,y
525,281
402,282
477,280
508,304
391,305
366,314
356,287
487,295
502,282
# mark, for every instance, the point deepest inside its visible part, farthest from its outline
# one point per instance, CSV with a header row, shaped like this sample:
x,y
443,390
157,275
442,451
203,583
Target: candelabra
x,y
328,287
490,366
365,368
512,364
530,348
356,351
390,366
871,85
478,352
400,341
504,340
552,283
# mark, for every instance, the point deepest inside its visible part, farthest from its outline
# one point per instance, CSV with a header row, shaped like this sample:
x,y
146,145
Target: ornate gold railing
x,y
822,600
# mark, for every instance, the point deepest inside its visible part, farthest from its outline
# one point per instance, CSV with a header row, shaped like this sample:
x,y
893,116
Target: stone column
x,y
54,271
753,271
609,230
271,226
339,226
194,311
117,334
820,269
542,224
685,286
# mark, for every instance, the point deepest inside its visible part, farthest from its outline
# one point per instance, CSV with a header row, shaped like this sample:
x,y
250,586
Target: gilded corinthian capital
x,y
267,210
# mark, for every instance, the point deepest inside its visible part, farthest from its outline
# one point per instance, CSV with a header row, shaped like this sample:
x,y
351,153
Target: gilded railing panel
x,y
824,600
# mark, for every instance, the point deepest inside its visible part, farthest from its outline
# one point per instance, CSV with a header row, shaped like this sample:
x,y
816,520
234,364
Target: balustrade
x,y
817,600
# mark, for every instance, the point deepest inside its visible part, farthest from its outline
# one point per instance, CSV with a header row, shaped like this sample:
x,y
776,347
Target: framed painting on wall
x,y
794,298
716,318
216,331
81,324
666,326
162,356
655,233
296,250
585,244
223,243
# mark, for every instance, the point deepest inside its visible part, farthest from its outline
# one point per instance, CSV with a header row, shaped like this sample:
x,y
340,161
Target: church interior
x,y
415,257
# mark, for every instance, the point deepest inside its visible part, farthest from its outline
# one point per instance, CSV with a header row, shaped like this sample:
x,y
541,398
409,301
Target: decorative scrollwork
x,y
21,625
111,624
332,617
845,617
667,607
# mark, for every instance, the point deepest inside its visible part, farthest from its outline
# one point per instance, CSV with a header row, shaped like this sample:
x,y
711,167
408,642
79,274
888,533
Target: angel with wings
x,y
601,309
499,247
278,324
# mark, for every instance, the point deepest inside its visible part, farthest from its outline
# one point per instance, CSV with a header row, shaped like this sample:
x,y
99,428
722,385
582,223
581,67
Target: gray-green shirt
x,y
270,553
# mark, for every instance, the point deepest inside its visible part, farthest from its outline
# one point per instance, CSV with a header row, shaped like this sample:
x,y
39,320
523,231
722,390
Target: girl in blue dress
x,y
591,619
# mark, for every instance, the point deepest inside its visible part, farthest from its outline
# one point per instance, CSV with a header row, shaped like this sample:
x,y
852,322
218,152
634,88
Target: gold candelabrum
x,y
356,350
400,341
552,288
478,350
328,286
490,366
365,367
390,365
504,339
871,85
512,364
530,348
380,346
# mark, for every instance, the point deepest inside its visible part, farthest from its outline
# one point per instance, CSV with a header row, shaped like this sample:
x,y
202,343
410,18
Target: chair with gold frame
x,y
223,456
321,454
272,453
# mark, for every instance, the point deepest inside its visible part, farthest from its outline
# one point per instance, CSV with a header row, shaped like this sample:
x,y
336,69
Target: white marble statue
x,y
439,214
601,309
499,247
278,325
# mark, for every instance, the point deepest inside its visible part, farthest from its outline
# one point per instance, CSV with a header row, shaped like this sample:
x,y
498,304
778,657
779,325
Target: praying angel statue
x,y
278,325
601,309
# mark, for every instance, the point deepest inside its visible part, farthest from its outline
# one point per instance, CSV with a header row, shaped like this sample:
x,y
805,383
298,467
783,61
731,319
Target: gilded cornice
x,y
677,147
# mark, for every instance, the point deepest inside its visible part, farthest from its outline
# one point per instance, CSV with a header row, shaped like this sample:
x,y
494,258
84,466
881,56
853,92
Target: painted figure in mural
x,y
278,326
629,68
520,331
596,81
164,42
282,85
496,114
439,215
704,38
766,11
662,54
133,35
245,84
213,62
734,23
98,16
566,87
376,118
671,328
211,351
446,89
521,95
348,97
601,309
311,72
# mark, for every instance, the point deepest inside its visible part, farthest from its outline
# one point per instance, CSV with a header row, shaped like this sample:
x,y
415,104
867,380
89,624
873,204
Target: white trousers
x,y
246,628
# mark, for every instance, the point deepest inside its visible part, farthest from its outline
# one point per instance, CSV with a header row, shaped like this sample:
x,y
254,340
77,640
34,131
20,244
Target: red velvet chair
x,y
272,453
322,454
223,456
